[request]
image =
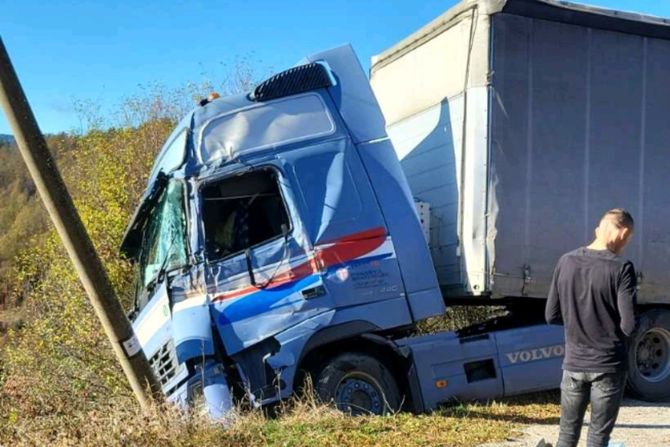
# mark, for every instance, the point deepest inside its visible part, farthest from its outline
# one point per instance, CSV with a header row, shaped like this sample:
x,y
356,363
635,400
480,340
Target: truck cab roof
x,y
297,105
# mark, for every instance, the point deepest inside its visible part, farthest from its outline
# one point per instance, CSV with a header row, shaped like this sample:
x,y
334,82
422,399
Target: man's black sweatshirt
x,y
593,295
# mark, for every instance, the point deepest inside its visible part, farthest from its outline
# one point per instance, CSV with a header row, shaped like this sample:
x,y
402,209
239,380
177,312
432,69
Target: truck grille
x,y
164,363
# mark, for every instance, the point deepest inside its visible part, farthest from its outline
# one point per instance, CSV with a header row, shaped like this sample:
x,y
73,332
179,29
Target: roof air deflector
x,y
300,79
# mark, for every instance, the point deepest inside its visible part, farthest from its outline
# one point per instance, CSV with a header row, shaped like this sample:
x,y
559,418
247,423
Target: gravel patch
x,y
640,424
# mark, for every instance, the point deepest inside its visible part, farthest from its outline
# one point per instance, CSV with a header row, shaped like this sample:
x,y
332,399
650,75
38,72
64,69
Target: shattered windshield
x,y
164,238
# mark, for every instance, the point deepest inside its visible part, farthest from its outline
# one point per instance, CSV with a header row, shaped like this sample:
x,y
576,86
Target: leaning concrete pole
x,y
64,215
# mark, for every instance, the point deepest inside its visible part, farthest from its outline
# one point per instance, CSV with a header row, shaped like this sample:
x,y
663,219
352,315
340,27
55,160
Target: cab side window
x,y
241,212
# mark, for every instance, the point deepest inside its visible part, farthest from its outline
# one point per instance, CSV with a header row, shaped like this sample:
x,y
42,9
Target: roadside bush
x,y
60,362
58,365
459,317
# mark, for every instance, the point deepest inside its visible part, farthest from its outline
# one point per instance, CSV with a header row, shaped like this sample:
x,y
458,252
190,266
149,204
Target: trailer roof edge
x,y
552,10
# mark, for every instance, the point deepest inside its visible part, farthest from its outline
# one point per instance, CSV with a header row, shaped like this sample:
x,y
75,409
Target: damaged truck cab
x,y
279,234
278,226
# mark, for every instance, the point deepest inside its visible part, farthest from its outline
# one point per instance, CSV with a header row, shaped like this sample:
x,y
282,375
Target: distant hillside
x,y
4,138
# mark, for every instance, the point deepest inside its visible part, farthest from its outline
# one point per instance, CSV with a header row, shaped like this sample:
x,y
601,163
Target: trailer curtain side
x,y
565,117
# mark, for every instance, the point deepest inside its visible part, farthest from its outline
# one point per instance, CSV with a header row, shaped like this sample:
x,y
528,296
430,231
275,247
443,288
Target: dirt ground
x,y
640,424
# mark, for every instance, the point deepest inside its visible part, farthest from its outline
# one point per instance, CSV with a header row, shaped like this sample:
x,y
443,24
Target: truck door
x,y
259,274
344,223
530,358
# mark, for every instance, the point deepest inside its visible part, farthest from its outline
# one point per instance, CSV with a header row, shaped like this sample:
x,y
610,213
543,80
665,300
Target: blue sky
x,y
103,50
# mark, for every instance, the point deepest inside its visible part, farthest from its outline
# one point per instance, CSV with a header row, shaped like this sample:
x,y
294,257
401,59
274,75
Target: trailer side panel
x,y
576,130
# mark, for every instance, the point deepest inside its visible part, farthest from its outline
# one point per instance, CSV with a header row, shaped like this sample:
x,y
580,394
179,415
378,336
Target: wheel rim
x,y
652,355
359,393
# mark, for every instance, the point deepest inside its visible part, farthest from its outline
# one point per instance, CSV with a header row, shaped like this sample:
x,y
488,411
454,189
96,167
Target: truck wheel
x,y
649,357
358,384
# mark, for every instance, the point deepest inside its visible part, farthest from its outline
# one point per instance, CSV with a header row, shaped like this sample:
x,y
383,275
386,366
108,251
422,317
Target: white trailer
x,y
520,122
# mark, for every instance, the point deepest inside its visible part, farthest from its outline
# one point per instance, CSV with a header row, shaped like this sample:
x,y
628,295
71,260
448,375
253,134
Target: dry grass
x,y
33,412
10,318
299,423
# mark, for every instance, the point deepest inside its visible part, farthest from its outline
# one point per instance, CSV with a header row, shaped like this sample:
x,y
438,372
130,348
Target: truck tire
x,y
649,357
358,384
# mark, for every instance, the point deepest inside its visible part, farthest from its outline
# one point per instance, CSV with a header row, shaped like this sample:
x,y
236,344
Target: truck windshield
x,y
163,240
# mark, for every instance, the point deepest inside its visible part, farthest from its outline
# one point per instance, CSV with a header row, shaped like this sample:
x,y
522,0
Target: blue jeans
x,y
605,391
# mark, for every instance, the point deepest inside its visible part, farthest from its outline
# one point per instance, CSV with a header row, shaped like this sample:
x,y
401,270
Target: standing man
x,y
593,295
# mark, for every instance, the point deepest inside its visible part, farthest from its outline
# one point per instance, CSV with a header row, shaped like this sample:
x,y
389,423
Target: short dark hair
x,y
619,217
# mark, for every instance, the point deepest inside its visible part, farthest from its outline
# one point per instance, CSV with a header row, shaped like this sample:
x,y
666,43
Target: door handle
x,y
313,292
